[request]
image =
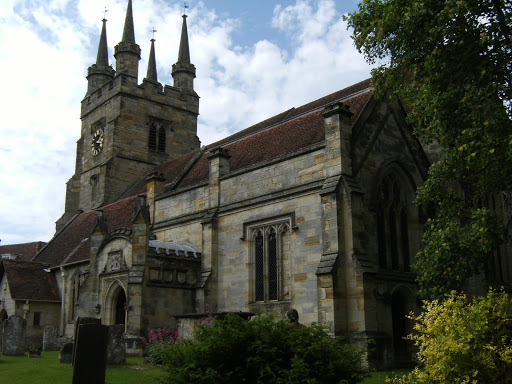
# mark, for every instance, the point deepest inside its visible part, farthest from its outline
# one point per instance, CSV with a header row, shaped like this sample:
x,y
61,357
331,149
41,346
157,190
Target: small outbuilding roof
x,y
30,280
23,251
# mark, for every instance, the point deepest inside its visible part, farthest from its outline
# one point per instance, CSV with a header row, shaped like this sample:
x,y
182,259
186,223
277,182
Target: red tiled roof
x,y
24,251
352,91
171,169
72,244
29,281
280,135
175,169
197,173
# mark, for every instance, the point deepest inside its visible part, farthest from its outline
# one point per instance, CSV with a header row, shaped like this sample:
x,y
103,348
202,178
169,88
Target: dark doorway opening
x,y
3,316
120,314
399,312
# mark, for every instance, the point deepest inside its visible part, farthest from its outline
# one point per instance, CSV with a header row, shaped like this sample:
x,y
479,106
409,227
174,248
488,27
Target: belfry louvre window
x,y
157,137
269,246
152,138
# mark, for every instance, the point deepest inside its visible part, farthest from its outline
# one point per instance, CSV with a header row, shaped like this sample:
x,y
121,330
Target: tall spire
x,y
127,52
184,53
100,73
102,57
128,31
151,74
183,72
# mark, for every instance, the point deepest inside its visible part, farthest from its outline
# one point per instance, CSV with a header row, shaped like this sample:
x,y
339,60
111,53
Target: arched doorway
x,y
399,319
120,308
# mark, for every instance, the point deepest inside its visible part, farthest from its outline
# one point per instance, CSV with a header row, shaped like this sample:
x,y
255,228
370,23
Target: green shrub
x,y
462,341
157,341
234,350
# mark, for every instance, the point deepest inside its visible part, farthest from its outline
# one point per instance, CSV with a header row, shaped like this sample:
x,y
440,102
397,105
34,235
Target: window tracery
x,y
392,224
268,247
157,136
75,294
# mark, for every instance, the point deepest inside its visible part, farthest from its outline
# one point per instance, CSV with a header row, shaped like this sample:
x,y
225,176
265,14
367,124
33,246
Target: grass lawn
x,y
380,377
47,369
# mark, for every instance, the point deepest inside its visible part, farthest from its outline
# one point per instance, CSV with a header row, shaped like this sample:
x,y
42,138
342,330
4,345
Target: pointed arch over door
x,y
115,306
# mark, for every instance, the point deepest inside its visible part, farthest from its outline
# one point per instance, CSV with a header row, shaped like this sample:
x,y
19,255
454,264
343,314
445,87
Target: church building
x,y
311,209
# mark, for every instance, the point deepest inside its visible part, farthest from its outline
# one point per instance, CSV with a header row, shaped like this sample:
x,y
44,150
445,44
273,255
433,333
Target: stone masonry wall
x,y
236,259
292,173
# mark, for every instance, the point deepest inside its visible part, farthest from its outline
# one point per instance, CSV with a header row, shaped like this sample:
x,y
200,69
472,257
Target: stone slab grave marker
x,y
14,331
66,353
34,353
116,350
78,322
49,339
90,354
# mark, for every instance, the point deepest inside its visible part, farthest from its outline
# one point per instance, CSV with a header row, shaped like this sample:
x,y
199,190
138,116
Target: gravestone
x,y
78,322
34,352
90,354
66,353
13,336
116,350
49,339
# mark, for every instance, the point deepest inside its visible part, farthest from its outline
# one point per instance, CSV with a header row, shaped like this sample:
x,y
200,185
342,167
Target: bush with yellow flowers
x,y
462,341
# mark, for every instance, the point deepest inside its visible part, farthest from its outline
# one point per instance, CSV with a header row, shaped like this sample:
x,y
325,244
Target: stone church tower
x,y
129,128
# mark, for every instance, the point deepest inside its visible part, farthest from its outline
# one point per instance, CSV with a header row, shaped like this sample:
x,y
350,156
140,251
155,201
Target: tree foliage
x,y
234,350
463,342
450,63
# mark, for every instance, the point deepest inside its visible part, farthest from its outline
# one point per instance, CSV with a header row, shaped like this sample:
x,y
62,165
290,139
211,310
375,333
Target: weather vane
x,y
105,13
185,6
154,30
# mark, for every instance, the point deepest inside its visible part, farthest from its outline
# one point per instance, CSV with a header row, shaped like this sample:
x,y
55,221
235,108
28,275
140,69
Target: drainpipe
x,y
63,302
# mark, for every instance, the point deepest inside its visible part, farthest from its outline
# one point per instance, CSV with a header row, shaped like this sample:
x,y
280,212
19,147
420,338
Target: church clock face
x,y
97,142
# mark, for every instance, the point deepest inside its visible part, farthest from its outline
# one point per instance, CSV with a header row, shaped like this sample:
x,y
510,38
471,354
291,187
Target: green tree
x,y
450,63
463,341
234,350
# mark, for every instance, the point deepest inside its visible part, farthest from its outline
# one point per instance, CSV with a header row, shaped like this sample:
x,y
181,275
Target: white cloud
x,y
46,49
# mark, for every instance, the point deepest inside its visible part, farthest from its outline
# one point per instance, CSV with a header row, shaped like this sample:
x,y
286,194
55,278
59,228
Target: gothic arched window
x,y
268,260
392,224
75,294
157,136
94,187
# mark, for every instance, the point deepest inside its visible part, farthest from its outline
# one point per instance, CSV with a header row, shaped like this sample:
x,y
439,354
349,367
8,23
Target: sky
x,y
254,59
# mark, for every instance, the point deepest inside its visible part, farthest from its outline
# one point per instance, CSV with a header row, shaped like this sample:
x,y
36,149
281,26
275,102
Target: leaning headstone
x,y
49,339
13,336
116,350
78,322
34,352
66,353
90,355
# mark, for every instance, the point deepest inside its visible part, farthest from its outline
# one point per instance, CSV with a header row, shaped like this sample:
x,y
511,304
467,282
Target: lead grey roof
x,y
170,247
